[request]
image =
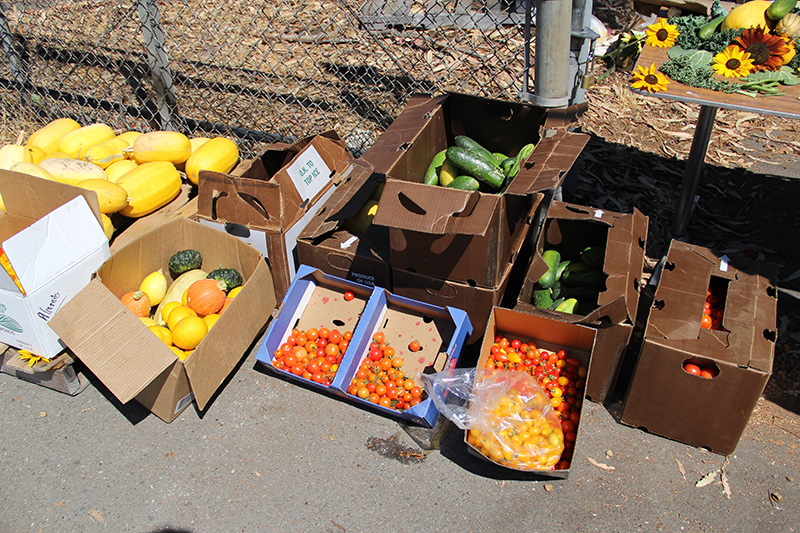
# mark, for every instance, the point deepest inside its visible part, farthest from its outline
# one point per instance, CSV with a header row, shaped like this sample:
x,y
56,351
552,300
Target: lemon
x,y
155,286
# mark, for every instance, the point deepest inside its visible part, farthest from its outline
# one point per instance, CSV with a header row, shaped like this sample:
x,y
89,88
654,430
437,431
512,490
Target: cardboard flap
x,y
90,325
435,210
246,201
549,163
33,197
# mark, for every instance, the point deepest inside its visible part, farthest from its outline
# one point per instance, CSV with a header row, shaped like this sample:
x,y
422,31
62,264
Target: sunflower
x,y
733,62
661,34
31,357
649,79
766,50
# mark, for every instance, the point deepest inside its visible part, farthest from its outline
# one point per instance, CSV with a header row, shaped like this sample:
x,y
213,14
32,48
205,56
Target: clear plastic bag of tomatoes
x,y
507,415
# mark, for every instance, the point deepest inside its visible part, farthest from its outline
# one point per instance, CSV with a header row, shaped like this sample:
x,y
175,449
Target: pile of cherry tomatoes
x,y
562,378
380,378
712,311
314,354
699,369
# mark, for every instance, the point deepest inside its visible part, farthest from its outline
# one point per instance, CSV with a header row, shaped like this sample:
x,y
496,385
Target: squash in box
x,y
47,136
169,146
110,196
150,186
75,143
72,171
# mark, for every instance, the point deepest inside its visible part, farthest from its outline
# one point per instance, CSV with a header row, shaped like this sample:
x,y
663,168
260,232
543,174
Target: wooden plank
x,y
786,105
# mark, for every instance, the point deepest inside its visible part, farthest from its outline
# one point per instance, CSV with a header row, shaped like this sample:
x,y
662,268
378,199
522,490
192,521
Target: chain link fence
x,y
256,72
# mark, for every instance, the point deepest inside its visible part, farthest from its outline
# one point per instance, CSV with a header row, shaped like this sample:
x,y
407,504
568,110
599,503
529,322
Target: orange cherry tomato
x,y
692,369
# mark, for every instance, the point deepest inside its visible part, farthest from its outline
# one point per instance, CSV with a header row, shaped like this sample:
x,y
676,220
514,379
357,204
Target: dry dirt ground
x,y
748,194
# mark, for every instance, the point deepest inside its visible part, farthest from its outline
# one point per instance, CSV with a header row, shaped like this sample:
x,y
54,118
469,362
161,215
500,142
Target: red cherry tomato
x,y
349,296
692,369
414,346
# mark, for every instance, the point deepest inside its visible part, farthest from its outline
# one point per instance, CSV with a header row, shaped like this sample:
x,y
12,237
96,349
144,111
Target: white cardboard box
x,y
53,252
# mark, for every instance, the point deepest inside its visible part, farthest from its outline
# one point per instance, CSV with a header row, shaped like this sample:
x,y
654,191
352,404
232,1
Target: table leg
x,y
694,167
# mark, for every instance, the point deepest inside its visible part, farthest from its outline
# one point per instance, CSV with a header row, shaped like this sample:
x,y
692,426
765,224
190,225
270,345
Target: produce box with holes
x,y
214,294
341,240
501,152
477,301
267,201
308,341
587,269
708,348
400,339
543,423
52,241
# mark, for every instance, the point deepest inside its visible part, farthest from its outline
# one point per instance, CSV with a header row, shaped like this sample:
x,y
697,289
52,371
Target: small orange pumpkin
x,y
225,304
138,302
205,296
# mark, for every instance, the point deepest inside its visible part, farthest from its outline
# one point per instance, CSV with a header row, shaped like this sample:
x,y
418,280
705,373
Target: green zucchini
x,y
542,298
561,267
710,27
590,278
476,166
523,154
465,183
447,173
779,9
594,256
473,146
551,258
432,174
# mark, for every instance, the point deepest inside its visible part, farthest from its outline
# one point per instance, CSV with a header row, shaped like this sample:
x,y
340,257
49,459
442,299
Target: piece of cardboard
x,y
461,235
441,332
133,362
57,374
662,397
327,244
578,340
569,228
314,300
268,200
53,238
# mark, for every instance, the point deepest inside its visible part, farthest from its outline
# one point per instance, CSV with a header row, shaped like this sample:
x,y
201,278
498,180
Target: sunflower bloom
x,y
766,50
661,34
792,51
733,62
648,79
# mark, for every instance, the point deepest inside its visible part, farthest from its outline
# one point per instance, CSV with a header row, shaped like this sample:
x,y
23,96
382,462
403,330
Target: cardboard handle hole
x,y
255,203
771,335
658,304
641,243
772,291
338,322
410,205
700,367
405,146
669,265
575,209
469,208
237,230
215,196
337,261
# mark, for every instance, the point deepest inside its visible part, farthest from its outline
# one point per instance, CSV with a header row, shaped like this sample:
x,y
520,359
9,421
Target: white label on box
x,y
348,243
290,236
309,173
183,402
723,263
363,279
598,213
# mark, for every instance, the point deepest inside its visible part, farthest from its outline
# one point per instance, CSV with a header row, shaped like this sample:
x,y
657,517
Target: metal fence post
x,y
15,63
158,62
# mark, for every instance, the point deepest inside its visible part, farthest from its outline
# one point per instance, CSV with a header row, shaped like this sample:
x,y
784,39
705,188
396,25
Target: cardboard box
x,y
314,300
328,243
53,237
267,201
579,341
58,373
459,235
666,400
476,300
441,331
133,362
569,228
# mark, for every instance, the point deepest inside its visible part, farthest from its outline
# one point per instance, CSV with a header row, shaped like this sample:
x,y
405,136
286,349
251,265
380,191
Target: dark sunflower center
x,y
759,52
651,79
662,34
733,64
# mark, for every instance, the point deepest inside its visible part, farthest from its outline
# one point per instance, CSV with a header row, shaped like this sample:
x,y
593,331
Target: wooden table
x,y
786,105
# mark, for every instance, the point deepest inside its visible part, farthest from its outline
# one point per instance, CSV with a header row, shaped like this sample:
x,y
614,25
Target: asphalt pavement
x,y
267,455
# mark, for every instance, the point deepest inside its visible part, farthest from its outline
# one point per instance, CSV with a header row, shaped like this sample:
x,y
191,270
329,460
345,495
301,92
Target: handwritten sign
x,y
309,173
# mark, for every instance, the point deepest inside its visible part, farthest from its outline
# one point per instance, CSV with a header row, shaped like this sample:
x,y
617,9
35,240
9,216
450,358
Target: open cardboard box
x,y
133,362
666,400
578,340
53,237
441,332
460,235
569,228
476,300
267,201
329,243
314,300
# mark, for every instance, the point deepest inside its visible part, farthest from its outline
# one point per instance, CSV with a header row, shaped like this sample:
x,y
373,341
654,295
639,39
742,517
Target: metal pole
x,y
15,63
551,69
694,167
158,62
